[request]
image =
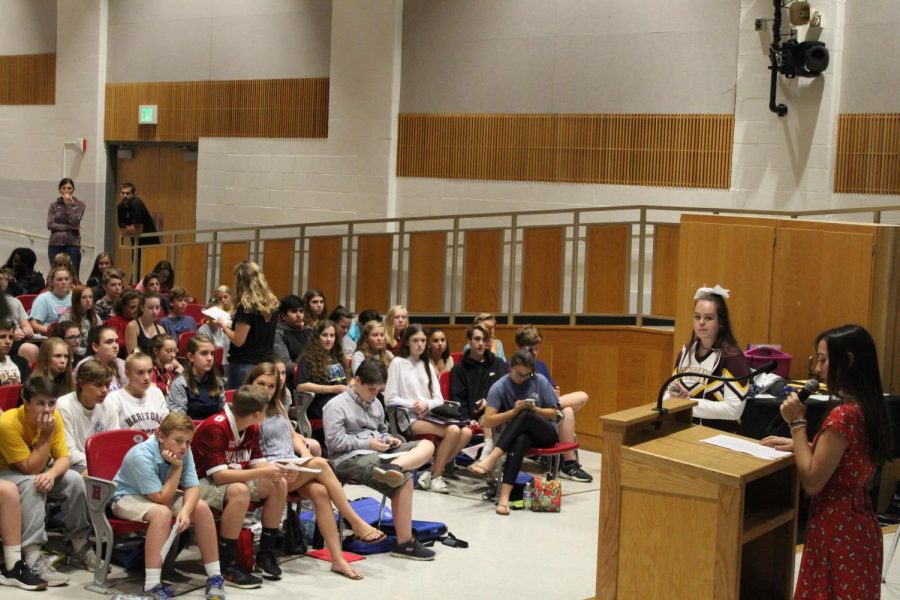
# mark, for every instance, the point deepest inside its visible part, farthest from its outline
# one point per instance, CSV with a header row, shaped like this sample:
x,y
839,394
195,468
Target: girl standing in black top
x,y
253,335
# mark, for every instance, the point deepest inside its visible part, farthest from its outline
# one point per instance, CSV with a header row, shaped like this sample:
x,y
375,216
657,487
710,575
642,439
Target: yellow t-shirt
x,y
18,439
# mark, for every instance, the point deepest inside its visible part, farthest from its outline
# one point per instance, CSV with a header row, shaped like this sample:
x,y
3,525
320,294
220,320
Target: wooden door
x,y
165,178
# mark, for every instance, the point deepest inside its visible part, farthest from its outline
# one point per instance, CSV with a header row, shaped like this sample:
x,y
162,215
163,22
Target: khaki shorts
x,y
135,508
361,467
214,495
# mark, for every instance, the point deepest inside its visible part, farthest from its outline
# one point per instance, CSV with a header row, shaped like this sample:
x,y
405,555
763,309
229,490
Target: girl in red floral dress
x,y
843,551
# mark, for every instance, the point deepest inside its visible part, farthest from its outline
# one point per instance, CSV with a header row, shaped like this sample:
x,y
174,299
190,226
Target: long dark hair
x,y
446,353
309,295
96,273
318,357
411,330
725,340
853,371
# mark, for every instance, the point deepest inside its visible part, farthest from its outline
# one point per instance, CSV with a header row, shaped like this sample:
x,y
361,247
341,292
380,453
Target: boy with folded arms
x,y
356,436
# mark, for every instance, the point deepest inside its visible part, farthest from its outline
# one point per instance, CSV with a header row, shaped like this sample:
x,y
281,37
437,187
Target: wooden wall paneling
x,y
607,268
190,269
278,265
543,265
482,270
637,149
374,253
665,270
230,255
188,110
150,256
867,156
736,254
819,280
884,314
426,271
324,266
28,79
142,169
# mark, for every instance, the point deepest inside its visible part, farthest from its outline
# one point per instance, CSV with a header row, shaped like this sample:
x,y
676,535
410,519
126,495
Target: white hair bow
x,y
705,291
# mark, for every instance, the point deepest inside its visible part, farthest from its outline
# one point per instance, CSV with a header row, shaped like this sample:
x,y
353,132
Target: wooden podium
x,y
683,519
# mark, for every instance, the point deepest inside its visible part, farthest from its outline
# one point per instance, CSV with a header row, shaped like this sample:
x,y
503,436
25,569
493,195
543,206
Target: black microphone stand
x,y
766,368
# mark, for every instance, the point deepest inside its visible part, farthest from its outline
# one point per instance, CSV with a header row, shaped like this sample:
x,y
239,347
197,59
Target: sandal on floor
x,y
478,471
503,510
349,573
379,536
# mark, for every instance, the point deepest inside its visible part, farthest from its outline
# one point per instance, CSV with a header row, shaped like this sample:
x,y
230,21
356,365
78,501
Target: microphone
x,y
811,387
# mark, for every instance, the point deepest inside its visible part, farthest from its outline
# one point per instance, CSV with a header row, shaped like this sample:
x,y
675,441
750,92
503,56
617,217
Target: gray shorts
x,y
135,508
360,469
214,495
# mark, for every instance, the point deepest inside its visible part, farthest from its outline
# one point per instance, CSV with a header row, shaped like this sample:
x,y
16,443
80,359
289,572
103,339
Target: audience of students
x,y
140,331
321,369
176,322
103,346
55,363
112,284
85,411
198,391
166,367
102,262
82,312
395,322
49,306
314,307
439,351
372,344
140,405
25,279
13,368
291,334
125,311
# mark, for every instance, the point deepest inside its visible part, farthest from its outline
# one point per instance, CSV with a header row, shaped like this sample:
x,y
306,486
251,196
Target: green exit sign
x,y
147,114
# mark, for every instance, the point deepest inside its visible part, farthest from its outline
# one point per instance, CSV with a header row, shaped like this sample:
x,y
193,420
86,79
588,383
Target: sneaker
x,y
439,485
389,474
412,550
574,472
23,577
268,562
424,481
87,558
160,592
236,576
43,569
215,588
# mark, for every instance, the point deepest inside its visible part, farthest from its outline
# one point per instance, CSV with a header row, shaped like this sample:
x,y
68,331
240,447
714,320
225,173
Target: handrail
x,y
34,236
638,287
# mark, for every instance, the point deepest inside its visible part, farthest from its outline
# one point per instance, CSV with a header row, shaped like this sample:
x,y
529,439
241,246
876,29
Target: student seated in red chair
x,y
85,411
148,481
528,337
13,369
30,436
176,322
527,408
140,404
233,473
356,435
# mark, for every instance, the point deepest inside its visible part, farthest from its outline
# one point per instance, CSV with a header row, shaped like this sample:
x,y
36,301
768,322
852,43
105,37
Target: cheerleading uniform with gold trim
x,y
717,399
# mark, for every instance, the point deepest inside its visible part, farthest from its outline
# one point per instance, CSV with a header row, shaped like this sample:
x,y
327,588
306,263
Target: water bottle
x,y
526,497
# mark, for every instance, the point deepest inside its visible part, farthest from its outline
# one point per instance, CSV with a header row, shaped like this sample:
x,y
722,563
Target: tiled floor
x,y
525,555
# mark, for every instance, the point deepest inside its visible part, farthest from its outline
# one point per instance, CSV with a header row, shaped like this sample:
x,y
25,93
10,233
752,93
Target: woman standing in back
x,y
64,223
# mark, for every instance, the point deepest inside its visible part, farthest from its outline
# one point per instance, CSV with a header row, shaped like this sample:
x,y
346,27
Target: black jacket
x,y
470,380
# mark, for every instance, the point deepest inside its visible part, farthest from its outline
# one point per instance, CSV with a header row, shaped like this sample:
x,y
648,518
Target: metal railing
x,y
641,218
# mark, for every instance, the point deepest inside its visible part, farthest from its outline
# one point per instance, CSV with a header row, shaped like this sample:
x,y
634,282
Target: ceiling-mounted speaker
x,y
799,13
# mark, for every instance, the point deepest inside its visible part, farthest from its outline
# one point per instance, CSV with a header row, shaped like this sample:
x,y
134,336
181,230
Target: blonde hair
x,y
367,350
135,357
275,405
252,290
392,337
176,422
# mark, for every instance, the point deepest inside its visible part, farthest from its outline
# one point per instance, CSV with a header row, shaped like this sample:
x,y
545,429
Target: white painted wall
x,y
178,40
32,138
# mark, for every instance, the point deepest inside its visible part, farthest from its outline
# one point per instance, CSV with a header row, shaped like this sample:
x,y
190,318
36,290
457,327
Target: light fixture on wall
x,y
793,58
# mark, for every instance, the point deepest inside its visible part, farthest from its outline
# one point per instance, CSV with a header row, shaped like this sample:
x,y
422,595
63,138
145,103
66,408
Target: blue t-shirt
x,y
504,393
48,307
144,471
540,367
175,326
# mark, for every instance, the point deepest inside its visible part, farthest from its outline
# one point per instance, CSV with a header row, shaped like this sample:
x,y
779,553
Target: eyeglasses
x,y
520,375
74,337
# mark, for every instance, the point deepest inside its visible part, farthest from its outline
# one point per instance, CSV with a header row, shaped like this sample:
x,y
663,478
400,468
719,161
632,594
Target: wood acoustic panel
x,y
482,264
278,265
373,271
819,281
190,268
543,260
324,266
736,254
665,270
618,367
230,255
28,79
867,157
607,267
189,110
671,150
426,270
150,257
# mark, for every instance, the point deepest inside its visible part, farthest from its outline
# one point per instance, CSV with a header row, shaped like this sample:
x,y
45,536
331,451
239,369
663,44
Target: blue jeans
x,y
74,253
236,374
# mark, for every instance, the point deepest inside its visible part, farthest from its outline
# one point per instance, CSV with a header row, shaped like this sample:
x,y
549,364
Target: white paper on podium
x,y
169,540
745,447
